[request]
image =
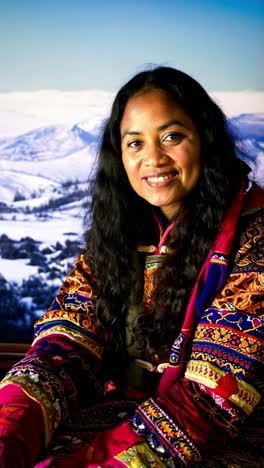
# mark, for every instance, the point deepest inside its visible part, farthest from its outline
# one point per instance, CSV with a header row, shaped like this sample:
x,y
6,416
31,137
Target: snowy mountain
x,y
45,143
36,163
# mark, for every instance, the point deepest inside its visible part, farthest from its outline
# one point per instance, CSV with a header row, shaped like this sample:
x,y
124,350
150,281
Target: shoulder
x,y
80,279
244,284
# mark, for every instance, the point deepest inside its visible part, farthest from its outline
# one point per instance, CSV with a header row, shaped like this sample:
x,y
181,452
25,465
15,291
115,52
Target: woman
x,y
151,353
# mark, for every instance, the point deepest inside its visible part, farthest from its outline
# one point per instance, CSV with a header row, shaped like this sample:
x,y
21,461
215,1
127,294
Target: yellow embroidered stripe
x,y
207,374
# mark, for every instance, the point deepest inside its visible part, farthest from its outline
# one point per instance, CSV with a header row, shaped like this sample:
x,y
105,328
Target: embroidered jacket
x,y
211,386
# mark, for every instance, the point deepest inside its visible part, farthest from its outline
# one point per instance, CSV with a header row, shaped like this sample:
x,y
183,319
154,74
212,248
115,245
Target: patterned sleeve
x,y
223,382
66,352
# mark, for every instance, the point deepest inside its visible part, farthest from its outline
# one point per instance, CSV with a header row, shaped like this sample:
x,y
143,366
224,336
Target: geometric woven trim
x,y
173,437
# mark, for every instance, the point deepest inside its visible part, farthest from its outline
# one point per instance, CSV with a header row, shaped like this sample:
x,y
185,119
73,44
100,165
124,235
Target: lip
x,y
160,180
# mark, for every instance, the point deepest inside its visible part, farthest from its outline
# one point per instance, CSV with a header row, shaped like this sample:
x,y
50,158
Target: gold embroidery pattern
x,y
141,456
244,291
250,255
79,279
153,262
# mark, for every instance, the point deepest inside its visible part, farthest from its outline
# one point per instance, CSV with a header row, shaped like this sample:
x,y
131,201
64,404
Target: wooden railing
x,y
10,353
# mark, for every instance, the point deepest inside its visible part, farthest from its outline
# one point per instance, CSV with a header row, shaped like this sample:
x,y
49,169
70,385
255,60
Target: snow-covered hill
x,y
36,163
46,143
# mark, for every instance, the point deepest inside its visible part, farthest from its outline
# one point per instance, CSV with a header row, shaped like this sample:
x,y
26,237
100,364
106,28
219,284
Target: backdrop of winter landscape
x,y
48,150
61,63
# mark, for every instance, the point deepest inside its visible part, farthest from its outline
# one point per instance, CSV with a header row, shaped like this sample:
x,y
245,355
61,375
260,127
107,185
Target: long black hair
x,y
121,220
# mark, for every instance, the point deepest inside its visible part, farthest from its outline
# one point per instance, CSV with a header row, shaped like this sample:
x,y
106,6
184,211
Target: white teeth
x,y
158,179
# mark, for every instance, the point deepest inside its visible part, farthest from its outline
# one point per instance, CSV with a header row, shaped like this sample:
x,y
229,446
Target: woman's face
x,y
160,150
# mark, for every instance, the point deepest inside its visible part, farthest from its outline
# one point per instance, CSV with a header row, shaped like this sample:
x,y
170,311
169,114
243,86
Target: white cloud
x,y
23,111
240,102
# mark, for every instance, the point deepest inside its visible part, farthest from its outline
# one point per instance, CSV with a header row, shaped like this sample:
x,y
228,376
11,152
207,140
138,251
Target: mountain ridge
x,y
38,161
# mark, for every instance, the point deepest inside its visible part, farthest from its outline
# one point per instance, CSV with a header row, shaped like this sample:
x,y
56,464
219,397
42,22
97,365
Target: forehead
x,y
152,106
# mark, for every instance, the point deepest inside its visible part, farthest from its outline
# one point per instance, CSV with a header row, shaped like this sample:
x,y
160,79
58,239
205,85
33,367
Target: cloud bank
x,y
21,112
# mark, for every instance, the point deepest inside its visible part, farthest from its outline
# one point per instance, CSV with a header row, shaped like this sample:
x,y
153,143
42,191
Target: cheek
x,y
194,171
124,161
190,161
130,167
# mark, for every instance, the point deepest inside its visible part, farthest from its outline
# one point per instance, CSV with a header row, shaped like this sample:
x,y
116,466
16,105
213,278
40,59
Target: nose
x,y
154,155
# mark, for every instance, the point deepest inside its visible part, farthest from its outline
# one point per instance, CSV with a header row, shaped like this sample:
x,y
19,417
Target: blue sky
x,y
99,44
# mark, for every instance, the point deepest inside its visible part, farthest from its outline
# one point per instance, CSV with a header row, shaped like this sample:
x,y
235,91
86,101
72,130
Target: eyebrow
x,y
128,132
160,128
170,123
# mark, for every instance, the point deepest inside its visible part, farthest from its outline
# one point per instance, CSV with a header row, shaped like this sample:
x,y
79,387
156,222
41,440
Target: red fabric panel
x,y
198,422
109,443
21,428
254,198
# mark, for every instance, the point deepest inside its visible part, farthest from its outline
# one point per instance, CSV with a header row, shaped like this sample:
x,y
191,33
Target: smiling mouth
x,y
160,181
160,178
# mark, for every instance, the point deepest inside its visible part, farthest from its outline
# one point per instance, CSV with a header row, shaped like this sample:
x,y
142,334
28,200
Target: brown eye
x,y
174,136
134,144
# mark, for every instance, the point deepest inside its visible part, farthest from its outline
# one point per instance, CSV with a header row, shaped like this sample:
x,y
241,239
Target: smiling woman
x,y
152,352
160,150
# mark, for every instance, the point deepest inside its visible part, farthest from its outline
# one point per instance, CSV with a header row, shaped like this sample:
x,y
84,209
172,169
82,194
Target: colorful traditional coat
x,y
207,410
